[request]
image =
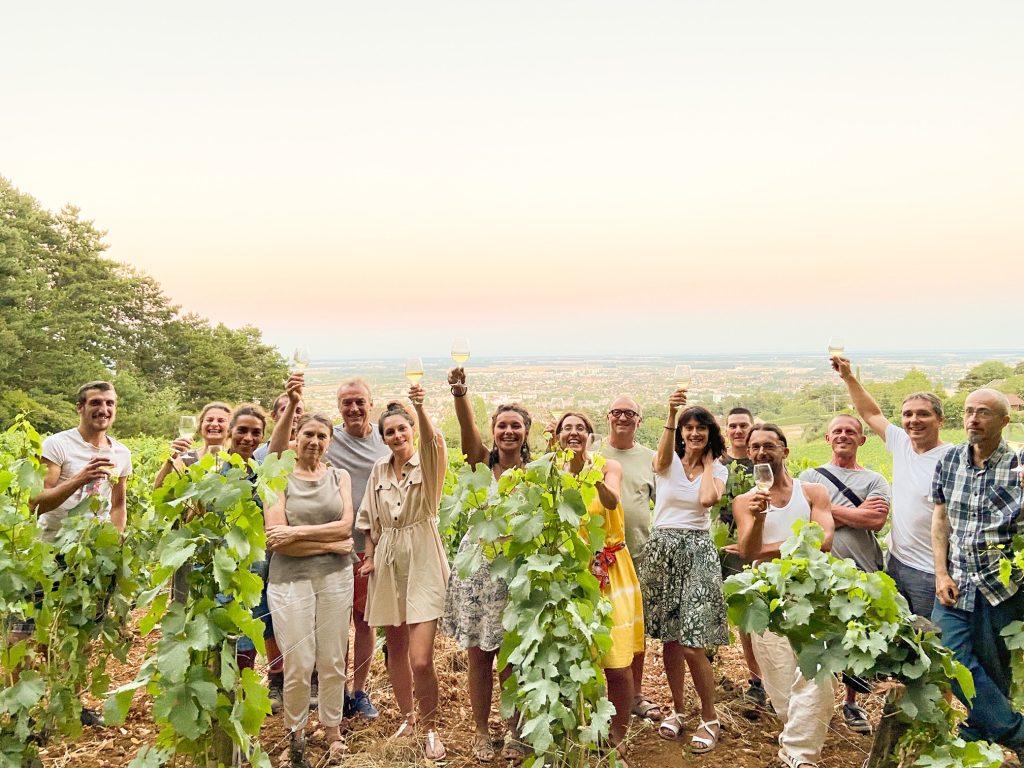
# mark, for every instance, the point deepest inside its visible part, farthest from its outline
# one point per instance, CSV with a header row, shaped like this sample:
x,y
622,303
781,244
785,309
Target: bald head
x,y
993,398
623,418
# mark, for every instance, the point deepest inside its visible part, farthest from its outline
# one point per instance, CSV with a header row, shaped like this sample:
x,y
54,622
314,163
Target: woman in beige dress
x,y
405,560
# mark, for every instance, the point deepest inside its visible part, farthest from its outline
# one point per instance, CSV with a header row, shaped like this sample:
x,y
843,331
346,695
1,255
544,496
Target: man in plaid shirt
x,y
977,496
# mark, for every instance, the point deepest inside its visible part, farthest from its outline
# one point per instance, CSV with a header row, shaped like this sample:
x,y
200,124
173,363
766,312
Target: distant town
x,y
549,386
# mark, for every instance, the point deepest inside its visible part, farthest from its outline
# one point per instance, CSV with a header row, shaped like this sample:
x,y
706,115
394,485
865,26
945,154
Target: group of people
x,y
354,538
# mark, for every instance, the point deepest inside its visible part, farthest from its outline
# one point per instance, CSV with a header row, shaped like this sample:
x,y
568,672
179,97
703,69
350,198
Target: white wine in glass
x,y
763,479
835,346
683,375
300,358
186,426
414,370
460,351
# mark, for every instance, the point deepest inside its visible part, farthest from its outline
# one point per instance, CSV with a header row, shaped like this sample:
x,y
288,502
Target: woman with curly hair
x,y
680,574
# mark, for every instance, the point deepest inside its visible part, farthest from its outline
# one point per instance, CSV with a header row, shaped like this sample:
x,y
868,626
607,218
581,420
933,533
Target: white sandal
x,y
670,727
701,745
435,749
794,762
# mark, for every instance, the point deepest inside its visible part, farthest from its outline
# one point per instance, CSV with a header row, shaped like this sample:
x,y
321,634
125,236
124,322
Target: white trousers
x,y
804,708
311,618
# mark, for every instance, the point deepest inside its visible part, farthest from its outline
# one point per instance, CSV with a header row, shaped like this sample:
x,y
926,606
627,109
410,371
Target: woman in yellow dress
x,y
613,568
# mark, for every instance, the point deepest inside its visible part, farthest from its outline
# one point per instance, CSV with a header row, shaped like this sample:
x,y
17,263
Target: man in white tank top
x,y
764,519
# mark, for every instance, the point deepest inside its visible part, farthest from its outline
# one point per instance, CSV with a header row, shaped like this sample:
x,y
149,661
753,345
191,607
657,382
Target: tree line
x,y
68,314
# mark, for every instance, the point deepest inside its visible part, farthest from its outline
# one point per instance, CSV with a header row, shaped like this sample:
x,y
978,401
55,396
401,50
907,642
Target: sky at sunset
x,y
549,177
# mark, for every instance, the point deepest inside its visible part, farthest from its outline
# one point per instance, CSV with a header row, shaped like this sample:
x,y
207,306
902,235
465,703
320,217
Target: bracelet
x,y
465,389
671,428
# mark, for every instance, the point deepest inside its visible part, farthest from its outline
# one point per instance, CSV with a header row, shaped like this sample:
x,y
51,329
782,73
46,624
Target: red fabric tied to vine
x,y
602,561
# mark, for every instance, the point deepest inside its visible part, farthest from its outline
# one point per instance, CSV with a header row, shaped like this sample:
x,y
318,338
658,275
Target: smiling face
x,y
354,404
398,433
214,426
766,447
920,421
573,434
312,440
509,431
695,437
737,427
624,418
97,410
846,436
246,435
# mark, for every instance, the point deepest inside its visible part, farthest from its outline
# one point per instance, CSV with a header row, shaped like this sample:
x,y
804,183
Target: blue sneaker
x,y
362,706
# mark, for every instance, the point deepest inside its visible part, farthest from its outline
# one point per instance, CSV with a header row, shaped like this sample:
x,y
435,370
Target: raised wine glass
x,y
460,351
836,346
763,479
187,426
683,375
300,358
414,370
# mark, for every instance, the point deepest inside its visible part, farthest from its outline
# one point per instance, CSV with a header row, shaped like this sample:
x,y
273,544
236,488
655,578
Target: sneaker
x,y
90,717
755,695
362,706
856,719
314,693
275,688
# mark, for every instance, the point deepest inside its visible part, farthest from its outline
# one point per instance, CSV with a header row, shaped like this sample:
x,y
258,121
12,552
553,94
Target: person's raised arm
x,y
862,399
282,434
472,443
666,453
821,511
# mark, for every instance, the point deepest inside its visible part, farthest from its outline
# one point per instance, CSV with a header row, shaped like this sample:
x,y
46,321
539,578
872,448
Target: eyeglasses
x,y
618,413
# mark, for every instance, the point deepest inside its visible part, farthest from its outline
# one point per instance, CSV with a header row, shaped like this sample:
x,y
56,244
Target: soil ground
x,y
747,741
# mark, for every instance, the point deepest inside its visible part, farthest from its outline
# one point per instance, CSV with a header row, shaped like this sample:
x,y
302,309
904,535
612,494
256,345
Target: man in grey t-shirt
x,y
860,505
356,445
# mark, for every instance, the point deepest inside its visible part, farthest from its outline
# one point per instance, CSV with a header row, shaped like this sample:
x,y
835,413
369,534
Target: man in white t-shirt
x,y
916,450
80,463
85,461
637,493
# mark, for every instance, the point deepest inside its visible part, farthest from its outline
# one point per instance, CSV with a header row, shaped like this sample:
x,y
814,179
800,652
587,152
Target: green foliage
x,y
77,590
206,517
69,315
740,481
839,618
539,536
983,374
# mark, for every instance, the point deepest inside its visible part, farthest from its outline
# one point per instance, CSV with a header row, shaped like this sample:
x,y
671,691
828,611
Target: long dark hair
x,y
524,451
704,417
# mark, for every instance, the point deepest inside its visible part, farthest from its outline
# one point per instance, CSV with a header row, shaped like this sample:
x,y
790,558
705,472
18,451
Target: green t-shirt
x,y
637,492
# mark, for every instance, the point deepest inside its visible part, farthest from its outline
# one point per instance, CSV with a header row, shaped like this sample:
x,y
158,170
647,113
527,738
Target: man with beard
x,y
977,495
764,520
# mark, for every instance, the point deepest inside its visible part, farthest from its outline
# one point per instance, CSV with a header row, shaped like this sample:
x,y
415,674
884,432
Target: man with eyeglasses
x,y
764,520
977,496
637,498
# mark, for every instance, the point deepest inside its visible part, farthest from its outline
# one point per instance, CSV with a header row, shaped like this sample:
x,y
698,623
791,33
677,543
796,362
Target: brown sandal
x,y
483,748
